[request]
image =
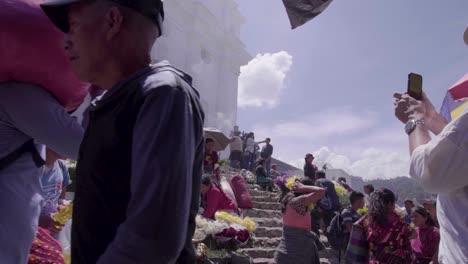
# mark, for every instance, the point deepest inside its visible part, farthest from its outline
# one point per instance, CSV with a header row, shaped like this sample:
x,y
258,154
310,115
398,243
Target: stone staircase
x,y
267,214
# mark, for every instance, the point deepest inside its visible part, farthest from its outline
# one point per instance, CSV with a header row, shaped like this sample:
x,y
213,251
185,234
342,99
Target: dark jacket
x,y
330,201
126,164
310,170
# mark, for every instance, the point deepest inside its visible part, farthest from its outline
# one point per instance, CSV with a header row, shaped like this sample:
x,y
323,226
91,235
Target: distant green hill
x,y
403,187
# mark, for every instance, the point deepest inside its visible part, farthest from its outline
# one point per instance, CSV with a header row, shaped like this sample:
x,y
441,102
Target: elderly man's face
x,y
85,42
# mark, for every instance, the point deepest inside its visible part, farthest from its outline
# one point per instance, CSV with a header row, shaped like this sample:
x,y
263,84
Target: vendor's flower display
x,y
232,219
208,227
229,231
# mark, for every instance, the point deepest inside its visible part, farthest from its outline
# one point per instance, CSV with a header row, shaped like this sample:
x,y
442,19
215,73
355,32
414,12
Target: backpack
x,y
335,234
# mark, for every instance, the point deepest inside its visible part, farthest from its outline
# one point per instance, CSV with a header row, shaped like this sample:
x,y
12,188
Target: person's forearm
x,y
311,189
420,136
436,123
64,192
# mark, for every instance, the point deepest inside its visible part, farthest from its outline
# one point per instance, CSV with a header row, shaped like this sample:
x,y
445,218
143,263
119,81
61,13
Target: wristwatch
x,y
411,125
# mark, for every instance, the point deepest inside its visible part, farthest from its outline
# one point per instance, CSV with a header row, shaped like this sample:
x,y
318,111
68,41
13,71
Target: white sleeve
x,y
441,166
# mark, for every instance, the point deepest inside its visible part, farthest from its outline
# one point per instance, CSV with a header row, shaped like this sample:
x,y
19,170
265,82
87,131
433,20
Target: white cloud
x,y
262,80
373,163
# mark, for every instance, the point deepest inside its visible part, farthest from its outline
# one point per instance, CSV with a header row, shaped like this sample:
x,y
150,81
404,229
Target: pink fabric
x,y
293,219
390,243
31,51
45,249
427,242
460,89
217,200
239,187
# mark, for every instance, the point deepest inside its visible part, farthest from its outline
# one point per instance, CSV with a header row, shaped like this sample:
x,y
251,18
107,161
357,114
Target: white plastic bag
x,y
64,238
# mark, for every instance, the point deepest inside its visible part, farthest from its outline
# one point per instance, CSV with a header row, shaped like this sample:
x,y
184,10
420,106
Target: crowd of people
x,y
312,207
392,234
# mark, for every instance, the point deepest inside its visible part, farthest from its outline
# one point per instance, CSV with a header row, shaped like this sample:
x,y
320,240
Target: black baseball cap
x,y
57,10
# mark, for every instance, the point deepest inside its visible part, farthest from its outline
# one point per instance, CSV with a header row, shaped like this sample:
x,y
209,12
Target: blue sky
x,y
331,92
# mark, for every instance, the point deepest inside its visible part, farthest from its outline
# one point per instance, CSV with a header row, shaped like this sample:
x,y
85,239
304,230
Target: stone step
x,y
268,232
268,222
254,192
262,213
253,186
267,205
269,199
255,253
266,242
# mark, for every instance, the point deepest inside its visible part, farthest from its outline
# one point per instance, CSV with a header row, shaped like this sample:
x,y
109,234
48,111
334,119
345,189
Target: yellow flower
x,y
249,224
290,182
363,211
231,219
310,207
340,190
64,215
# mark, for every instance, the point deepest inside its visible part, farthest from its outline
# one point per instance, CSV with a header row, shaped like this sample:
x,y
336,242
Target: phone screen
x,y
415,86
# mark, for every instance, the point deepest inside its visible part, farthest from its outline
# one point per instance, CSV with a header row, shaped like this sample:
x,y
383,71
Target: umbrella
x,y
220,140
456,100
302,11
460,89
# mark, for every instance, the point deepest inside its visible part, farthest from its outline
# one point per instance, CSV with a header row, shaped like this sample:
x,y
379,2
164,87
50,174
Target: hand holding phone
x,y
415,86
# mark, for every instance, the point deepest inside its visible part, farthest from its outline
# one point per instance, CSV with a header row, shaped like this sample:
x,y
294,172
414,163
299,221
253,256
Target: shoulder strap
x,y
16,154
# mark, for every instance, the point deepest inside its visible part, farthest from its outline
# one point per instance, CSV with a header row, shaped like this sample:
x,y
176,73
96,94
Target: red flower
x,y
243,236
229,232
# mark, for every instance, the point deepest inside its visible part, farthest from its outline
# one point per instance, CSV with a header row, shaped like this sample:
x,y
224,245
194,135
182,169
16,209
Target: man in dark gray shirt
x,y
140,163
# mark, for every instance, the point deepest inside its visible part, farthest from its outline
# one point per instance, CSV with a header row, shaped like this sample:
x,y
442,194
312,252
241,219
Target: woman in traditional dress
x,y
388,235
426,244
298,245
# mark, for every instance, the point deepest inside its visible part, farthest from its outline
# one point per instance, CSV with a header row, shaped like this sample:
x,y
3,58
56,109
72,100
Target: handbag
x,y
357,251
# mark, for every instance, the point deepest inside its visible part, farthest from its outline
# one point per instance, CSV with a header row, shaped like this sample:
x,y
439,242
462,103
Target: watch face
x,y
410,125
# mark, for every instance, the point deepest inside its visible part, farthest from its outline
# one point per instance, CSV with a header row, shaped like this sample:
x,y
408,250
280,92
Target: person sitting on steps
x,y
262,177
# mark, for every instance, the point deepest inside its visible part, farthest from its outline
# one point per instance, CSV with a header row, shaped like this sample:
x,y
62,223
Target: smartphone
x,y
415,86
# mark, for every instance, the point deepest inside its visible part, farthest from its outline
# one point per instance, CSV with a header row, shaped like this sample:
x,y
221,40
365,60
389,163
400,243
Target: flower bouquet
x,y
63,215
280,181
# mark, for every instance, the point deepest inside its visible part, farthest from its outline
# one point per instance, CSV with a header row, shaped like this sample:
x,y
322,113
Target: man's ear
x,y
114,19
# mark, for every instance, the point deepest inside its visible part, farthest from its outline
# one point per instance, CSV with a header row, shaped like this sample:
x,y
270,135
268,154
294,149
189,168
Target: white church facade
x,y
202,38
